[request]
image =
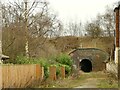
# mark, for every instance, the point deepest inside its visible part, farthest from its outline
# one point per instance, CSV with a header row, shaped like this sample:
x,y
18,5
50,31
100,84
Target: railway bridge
x,y
89,59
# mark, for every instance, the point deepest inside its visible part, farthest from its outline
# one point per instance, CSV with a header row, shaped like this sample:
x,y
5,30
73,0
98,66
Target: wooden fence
x,y
14,76
21,76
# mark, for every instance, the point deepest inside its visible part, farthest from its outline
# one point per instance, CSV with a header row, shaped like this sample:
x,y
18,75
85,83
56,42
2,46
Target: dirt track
x,y
89,83
94,81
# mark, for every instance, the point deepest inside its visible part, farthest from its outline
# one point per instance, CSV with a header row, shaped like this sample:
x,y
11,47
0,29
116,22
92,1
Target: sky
x,y
78,10
75,10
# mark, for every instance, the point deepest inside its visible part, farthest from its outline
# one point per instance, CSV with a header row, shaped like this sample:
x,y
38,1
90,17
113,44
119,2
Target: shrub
x,y
67,70
64,59
22,60
60,60
58,69
43,62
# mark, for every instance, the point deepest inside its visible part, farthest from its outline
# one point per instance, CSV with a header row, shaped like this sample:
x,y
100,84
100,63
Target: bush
x,y
22,60
43,62
58,66
64,59
67,70
58,61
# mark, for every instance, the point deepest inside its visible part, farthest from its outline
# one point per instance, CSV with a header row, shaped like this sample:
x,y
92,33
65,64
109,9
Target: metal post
x,y
116,33
117,26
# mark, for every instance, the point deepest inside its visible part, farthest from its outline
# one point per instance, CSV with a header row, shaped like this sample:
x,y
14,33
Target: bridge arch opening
x,y
85,65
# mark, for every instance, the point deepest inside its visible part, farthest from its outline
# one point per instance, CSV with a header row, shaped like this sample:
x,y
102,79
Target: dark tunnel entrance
x,y
86,65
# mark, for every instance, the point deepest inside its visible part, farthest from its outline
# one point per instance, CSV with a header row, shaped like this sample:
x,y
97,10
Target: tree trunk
x,y
26,31
0,33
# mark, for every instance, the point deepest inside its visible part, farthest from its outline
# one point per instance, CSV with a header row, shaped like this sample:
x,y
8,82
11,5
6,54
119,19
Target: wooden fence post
x,y
63,72
39,72
52,70
42,73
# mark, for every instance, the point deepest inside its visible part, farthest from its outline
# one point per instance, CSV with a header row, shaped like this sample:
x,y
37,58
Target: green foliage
x,y
46,71
67,70
58,61
64,59
43,62
22,60
58,69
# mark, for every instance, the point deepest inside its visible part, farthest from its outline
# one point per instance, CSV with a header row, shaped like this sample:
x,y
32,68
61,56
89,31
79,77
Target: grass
x,y
103,81
68,82
107,84
119,84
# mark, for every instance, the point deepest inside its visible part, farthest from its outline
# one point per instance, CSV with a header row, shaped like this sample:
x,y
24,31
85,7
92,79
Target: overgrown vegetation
x,y
64,59
102,80
106,83
110,82
60,60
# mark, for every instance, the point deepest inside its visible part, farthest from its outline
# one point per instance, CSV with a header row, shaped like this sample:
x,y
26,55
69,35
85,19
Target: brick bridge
x,y
89,59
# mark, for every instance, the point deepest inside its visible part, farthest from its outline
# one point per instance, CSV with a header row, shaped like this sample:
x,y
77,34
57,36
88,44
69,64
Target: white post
x,y
116,55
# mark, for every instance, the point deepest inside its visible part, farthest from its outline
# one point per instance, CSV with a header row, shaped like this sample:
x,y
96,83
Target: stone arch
x,y
85,65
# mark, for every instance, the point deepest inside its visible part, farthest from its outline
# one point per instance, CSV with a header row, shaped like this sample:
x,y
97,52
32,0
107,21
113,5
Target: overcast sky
x,y
79,9
75,10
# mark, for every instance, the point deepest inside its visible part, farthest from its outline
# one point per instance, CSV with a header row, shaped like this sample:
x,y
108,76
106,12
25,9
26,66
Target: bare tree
x,y
41,25
0,33
93,29
103,25
26,30
75,28
106,22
